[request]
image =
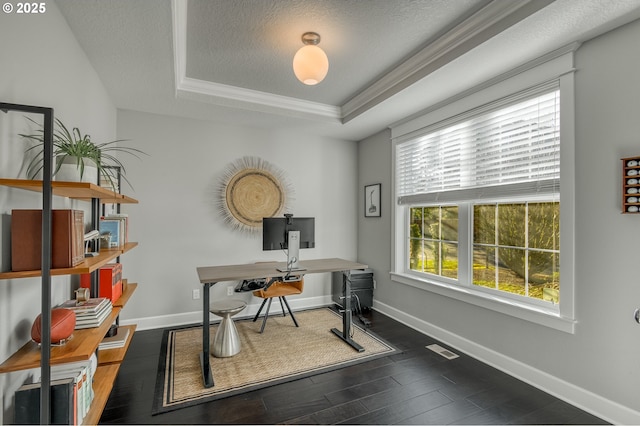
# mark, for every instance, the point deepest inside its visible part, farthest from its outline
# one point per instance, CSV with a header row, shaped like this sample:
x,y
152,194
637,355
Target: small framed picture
x,y
372,200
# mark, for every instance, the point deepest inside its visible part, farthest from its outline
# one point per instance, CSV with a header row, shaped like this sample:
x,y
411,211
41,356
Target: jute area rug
x,y
282,353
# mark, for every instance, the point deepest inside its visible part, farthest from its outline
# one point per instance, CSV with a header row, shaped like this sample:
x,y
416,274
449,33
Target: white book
x,y
94,315
82,323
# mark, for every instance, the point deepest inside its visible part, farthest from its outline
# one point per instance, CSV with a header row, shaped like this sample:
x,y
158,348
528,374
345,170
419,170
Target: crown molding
x,y
476,29
222,94
179,21
237,97
494,17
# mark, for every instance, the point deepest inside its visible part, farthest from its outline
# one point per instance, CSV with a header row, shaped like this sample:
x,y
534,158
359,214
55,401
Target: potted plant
x,y
72,149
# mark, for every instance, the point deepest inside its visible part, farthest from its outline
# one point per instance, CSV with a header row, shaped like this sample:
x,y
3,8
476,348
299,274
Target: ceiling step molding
x,y
492,19
231,96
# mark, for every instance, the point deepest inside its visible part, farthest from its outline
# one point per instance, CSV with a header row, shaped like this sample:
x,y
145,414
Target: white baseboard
x,y
195,317
588,401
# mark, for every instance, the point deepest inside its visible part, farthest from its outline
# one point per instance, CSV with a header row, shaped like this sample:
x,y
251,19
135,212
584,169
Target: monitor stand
x,y
293,250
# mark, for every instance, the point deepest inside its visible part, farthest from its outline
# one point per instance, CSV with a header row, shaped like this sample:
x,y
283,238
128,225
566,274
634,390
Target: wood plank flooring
x,y
415,386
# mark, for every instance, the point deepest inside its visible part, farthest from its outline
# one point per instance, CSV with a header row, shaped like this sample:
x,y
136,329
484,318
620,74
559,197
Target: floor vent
x,y
442,351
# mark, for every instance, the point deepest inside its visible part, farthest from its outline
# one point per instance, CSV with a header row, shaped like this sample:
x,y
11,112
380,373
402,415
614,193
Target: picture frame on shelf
x,y
372,207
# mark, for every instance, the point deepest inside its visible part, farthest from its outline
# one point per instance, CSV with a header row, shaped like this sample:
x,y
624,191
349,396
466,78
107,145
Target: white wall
x,y
41,64
177,225
596,368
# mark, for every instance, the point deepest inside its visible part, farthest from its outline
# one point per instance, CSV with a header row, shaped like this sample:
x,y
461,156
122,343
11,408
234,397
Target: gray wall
x,y
597,367
177,182
179,229
374,233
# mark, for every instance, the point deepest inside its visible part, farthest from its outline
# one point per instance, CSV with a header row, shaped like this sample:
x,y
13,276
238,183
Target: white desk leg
x,y
345,334
205,360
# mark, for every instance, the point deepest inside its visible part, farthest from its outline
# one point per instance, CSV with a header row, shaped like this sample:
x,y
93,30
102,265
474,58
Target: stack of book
x,y
91,313
118,340
71,395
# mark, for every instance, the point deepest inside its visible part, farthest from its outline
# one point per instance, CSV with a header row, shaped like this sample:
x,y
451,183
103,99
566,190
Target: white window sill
x,y
537,315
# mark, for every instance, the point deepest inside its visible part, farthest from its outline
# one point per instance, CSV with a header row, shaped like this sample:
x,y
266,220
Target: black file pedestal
x,y
361,288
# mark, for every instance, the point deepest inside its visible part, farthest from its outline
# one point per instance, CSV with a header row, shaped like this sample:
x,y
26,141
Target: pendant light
x,y
310,63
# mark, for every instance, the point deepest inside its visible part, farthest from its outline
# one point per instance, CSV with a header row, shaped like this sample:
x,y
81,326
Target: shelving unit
x,y
631,185
84,342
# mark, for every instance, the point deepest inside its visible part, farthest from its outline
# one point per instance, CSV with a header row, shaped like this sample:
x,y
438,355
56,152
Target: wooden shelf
x,y
75,190
84,342
116,355
102,385
128,290
80,348
89,265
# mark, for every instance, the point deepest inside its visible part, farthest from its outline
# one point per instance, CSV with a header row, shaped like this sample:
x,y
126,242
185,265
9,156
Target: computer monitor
x,y
288,233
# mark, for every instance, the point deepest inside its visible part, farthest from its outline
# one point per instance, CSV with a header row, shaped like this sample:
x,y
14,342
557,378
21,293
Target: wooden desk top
x,y
214,274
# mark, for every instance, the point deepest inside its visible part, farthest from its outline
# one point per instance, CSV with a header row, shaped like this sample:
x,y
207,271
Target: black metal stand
x,y
345,334
205,362
45,311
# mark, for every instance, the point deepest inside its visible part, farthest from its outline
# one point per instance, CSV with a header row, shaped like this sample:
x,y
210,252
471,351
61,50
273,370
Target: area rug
x,y
282,353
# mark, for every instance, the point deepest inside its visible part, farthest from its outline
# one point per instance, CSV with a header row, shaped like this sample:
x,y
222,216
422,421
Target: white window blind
x,y
498,150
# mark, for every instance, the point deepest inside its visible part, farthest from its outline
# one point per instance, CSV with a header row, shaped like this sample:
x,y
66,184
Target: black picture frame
x,y
372,200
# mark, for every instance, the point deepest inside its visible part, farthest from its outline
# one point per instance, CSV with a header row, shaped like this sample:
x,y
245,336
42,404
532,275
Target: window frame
x,y
555,66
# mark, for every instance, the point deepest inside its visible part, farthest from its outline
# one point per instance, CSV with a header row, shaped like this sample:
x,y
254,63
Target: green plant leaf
x,y
74,144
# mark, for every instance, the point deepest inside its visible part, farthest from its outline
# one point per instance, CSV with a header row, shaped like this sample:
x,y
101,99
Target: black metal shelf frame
x,y
47,196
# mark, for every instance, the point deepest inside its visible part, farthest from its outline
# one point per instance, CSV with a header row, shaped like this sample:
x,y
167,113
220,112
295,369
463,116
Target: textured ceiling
x,y
230,60
251,44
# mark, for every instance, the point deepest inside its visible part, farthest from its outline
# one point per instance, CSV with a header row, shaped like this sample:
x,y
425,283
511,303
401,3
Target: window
x,y
516,248
433,240
496,164
480,194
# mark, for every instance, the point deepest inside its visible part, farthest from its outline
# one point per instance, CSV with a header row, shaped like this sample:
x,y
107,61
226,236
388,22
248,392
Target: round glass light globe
x,y
310,65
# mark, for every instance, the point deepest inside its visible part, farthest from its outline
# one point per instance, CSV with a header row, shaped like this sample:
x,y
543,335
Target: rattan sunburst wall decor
x,y
250,189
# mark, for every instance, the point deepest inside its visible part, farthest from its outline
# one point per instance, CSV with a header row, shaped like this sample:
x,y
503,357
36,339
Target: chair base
x,y
266,315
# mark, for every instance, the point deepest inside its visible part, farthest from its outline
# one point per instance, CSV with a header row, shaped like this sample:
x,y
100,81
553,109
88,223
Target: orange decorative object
x,y
63,321
110,277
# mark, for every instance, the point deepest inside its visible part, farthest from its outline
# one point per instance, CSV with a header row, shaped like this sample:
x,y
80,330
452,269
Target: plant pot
x,y
69,171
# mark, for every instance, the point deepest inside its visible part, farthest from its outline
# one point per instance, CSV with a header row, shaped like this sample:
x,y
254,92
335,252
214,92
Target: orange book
x,y
110,277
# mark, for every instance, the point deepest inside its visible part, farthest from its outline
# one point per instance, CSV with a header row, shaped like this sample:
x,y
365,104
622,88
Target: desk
x,y
210,275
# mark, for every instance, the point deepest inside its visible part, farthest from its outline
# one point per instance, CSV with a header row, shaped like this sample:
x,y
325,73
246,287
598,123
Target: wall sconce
x,y
310,63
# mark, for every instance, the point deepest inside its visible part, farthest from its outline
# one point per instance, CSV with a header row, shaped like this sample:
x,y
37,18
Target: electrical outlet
x,y
230,291
195,294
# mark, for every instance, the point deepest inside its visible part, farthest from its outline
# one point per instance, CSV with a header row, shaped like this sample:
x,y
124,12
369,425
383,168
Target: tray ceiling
x,y
230,60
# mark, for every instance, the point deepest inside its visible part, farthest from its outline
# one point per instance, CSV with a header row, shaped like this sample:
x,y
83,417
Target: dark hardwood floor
x,y
414,386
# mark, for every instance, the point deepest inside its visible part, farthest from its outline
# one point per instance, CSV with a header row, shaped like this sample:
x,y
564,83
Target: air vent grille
x,y
442,351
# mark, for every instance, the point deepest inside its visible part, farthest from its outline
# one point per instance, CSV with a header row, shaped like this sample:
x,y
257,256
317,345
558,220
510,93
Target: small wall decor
x,y
372,200
250,189
631,185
